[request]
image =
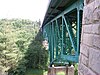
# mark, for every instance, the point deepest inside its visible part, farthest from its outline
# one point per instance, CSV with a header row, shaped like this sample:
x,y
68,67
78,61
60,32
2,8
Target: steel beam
x,y
63,36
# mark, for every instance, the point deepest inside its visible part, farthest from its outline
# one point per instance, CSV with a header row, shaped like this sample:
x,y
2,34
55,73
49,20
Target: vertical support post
x,y
62,44
78,31
50,46
52,41
56,39
64,38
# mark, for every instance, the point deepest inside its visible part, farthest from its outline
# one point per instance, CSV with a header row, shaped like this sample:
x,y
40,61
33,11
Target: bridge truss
x,y
62,29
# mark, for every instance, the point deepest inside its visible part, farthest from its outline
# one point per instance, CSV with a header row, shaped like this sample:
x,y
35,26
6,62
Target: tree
x,y
37,55
20,42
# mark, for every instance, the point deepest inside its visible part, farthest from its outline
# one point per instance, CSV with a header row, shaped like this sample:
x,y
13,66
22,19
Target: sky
x,y
24,9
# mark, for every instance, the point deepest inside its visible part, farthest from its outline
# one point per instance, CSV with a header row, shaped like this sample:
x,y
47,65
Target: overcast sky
x,y
26,9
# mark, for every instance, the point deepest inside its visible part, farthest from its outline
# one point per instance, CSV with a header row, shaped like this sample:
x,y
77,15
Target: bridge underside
x,y
62,29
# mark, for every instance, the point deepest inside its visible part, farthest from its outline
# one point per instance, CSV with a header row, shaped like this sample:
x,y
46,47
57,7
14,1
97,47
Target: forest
x,y
21,46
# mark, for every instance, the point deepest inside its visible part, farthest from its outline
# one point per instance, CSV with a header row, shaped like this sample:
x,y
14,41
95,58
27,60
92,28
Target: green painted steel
x,y
63,34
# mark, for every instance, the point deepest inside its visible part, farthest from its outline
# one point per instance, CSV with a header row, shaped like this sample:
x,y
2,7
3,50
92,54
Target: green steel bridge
x,y
62,29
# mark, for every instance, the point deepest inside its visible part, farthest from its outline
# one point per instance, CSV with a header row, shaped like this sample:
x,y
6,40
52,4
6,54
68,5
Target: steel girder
x,y
63,34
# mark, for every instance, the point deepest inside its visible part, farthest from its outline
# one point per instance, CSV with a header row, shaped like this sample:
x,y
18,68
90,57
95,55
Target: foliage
x,y
38,54
34,72
76,68
17,47
61,73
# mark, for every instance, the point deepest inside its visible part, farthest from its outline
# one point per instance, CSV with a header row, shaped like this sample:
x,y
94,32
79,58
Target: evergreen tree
x,y
20,46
